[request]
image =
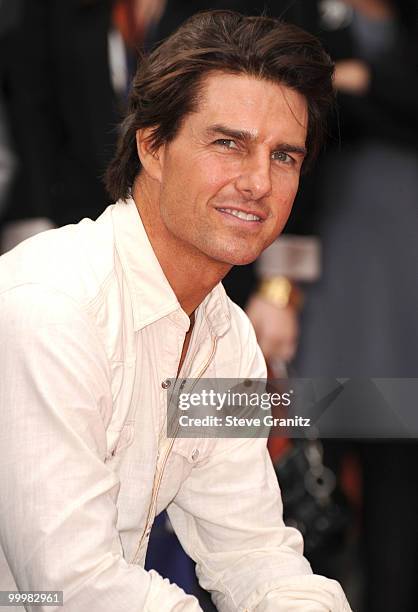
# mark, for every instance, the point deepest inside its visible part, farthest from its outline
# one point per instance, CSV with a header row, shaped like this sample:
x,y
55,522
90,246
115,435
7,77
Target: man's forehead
x,y
255,107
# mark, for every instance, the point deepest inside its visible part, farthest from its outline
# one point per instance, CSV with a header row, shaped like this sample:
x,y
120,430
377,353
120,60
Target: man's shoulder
x,y
75,260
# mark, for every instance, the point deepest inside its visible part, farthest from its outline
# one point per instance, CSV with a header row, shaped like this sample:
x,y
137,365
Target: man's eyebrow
x,y
289,148
247,136
243,135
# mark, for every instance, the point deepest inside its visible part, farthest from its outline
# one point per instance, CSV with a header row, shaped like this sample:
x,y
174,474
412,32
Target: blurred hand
x,y
352,76
277,329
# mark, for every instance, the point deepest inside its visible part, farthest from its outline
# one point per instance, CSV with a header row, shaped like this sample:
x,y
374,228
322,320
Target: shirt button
x,y
147,533
195,454
166,383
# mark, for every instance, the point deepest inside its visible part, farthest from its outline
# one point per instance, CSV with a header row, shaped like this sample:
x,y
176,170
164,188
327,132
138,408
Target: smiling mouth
x,y
240,214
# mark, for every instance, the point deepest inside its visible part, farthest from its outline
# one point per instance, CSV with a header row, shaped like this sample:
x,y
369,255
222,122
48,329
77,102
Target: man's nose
x,y
254,180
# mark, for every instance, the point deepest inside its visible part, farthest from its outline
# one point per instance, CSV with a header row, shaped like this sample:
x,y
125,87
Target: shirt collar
x,y
152,296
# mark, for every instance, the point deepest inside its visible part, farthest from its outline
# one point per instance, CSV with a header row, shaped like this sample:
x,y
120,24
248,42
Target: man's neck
x,y
191,274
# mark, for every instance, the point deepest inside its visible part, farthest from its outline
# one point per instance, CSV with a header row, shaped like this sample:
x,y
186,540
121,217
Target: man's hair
x,y
168,82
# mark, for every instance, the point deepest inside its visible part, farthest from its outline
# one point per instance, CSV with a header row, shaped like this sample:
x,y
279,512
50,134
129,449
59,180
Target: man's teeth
x,y
240,214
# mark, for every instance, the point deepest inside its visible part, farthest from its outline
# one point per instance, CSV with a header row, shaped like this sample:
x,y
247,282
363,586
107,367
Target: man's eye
x,y
281,156
226,143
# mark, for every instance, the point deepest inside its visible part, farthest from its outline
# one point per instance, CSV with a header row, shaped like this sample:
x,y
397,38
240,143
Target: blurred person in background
x,y
67,69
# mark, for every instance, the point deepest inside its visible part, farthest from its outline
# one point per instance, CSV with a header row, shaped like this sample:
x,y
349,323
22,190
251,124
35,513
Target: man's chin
x,y
237,258
232,253
243,261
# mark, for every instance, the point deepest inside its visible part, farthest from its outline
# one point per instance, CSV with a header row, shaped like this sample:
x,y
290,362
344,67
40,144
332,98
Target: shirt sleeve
x,y
228,516
58,496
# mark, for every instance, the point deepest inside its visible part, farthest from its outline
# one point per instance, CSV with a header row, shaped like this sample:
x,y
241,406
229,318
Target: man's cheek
x,y
284,210
289,201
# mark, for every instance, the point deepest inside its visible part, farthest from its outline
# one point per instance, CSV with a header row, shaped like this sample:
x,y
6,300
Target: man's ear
x,y
151,159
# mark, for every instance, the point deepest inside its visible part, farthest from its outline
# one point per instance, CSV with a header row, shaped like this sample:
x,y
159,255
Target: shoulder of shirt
x,y
76,260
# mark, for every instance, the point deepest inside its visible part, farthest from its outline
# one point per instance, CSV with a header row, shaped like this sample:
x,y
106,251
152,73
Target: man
x,y
96,318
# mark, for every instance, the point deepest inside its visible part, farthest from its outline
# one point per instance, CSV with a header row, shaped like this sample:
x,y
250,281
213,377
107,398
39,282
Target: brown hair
x,y
167,83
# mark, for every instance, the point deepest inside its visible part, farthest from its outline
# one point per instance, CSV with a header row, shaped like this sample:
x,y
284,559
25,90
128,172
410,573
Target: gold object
x,y
280,291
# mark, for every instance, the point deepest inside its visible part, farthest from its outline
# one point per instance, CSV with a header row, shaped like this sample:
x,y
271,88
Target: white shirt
x,y
90,329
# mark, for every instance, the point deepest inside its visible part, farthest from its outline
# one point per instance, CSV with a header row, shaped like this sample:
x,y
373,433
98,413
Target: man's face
x,y
229,178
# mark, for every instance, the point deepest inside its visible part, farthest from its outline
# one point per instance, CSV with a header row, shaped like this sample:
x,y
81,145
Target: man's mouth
x,y
240,214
